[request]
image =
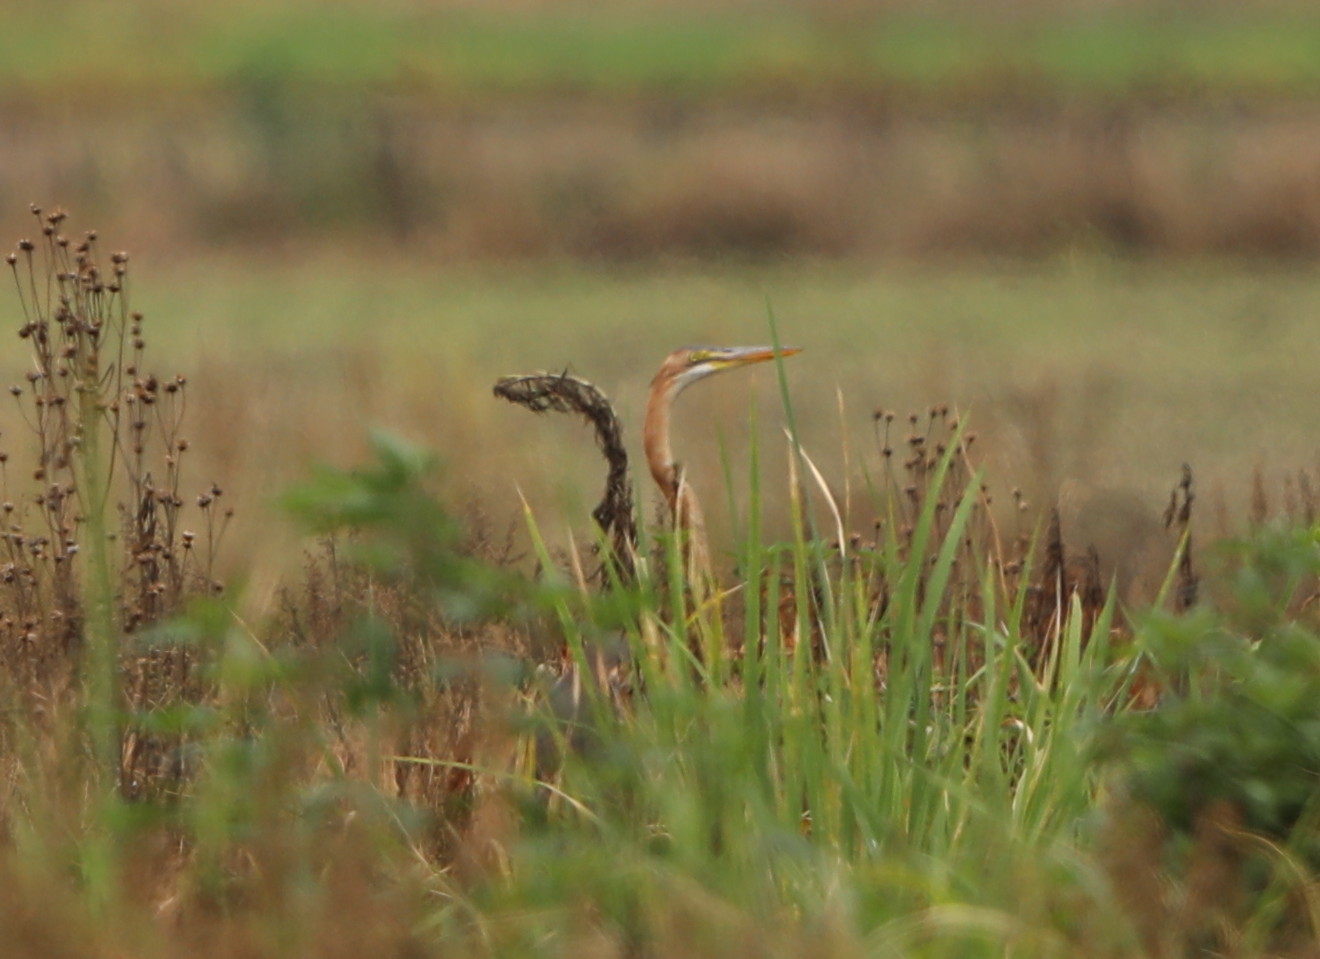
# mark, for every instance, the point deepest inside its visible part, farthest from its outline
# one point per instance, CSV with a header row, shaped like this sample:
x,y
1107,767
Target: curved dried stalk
x,y
563,393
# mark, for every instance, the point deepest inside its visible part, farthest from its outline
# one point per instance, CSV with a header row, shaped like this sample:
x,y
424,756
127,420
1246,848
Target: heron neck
x,y
655,440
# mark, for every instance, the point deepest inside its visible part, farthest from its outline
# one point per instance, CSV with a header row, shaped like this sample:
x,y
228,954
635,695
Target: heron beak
x,y
743,355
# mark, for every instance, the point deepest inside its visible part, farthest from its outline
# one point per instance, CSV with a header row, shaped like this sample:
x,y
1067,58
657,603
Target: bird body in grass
x,y
540,392
681,369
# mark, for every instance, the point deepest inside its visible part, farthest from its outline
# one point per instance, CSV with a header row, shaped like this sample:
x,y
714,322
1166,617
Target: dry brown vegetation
x,y
320,782
697,179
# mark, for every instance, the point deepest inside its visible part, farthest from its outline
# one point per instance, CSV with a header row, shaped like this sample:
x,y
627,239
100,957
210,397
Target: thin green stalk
x,y
101,662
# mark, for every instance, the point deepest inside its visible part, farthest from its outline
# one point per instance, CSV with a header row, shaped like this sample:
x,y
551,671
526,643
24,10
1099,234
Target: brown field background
x,y
1113,280
605,182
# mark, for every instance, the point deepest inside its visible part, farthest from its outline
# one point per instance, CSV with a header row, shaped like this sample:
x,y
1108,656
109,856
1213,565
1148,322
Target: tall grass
x,y
842,760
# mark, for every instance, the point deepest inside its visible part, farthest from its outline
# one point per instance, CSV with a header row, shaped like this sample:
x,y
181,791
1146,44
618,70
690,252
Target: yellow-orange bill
x,y
758,354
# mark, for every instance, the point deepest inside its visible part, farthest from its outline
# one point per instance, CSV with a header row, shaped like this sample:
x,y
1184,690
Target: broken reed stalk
x,y
563,393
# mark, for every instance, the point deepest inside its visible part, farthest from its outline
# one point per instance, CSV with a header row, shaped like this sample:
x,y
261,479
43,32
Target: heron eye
x,y
699,356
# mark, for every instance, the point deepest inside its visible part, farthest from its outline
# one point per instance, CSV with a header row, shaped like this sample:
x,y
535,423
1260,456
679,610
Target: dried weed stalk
x,y
1056,572
85,343
93,537
1178,517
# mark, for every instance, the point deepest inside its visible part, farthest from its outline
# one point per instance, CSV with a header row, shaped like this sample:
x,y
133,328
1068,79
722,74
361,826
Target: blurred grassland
x,y
169,49
1089,379
442,166
352,216
625,133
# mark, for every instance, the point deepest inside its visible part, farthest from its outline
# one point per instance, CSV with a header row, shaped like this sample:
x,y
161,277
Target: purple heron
x,y
681,369
544,391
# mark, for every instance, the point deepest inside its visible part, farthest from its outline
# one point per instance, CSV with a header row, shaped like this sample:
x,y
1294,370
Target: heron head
x,y
685,366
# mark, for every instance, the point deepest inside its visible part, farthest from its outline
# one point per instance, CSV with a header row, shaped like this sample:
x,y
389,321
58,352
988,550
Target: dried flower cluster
x,y
91,431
